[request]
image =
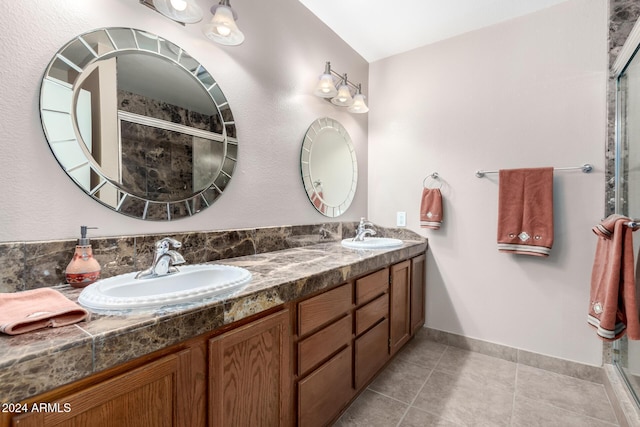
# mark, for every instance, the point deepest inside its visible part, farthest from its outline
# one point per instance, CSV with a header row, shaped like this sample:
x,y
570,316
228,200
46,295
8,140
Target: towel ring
x,y
435,177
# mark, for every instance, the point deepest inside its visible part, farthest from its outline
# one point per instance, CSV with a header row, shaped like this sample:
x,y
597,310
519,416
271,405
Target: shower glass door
x,y
627,352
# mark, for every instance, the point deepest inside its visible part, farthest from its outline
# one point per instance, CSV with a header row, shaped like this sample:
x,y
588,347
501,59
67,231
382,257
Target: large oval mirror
x,y
138,124
329,167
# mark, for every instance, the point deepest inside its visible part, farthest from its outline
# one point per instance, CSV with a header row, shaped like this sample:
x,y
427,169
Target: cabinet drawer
x,y
323,394
372,352
371,313
324,308
370,286
323,343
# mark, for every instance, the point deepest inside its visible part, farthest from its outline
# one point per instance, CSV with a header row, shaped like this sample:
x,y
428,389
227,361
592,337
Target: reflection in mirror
x,y
138,124
329,167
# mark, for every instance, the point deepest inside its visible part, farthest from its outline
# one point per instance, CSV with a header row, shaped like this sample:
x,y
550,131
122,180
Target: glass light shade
x,y
186,11
325,88
343,98
223,29
358,105
179,4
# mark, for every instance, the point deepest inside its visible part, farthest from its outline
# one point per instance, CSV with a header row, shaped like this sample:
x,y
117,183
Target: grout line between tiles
x,y
387,396
568,411
406,411
93,347
515,390
518,365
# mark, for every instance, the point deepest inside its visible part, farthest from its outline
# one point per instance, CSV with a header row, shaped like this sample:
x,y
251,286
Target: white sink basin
x,y
372,243
191,283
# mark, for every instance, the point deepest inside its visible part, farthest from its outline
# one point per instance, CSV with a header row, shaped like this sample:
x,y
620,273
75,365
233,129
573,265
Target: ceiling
x,y
377,29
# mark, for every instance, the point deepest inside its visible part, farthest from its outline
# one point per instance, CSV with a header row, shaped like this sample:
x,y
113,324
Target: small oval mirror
x,y
329,167
138,124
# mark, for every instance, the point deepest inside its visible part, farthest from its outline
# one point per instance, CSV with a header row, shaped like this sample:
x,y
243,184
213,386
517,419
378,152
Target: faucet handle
x,y
163,244
364,223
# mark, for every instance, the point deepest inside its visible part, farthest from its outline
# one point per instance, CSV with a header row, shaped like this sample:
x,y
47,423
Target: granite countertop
x,y
39,361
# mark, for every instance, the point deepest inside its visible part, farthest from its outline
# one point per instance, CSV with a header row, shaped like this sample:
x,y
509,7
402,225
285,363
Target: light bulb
x,y
185,11
223,30
179,4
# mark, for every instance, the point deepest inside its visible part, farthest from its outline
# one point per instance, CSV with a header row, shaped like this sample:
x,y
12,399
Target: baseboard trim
x,y
578,370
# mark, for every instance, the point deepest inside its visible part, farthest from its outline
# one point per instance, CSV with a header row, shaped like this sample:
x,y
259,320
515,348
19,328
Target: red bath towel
x,y
613,307
525,211
431,211
605,228
27,311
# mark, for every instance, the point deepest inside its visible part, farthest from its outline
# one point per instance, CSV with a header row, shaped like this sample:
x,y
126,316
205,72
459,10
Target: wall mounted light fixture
x,y
222,29
183,11
340,93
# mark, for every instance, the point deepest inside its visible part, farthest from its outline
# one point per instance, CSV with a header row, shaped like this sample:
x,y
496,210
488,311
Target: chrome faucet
x,y
165,259
363,231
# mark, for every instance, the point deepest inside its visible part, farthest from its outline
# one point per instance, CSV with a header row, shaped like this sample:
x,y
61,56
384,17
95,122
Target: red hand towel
x,y
613,308
525,211
27,311
605,228
431,208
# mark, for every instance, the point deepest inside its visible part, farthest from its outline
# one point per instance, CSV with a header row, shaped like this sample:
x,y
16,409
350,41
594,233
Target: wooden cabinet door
x,y
249,374
325,392
399,306
371,353
147,396
418,292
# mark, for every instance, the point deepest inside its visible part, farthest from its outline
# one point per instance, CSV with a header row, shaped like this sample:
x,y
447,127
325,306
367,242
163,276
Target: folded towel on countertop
x,y
613,306
525,211
27,311
431,212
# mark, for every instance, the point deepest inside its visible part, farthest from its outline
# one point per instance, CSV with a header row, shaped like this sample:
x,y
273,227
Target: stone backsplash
x,y
30,265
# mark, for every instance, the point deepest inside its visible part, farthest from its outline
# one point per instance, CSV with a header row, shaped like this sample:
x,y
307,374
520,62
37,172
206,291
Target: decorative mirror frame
x,y
58,99
311,184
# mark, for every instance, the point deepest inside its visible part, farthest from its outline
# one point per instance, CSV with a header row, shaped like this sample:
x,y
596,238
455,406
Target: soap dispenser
x,y
83,269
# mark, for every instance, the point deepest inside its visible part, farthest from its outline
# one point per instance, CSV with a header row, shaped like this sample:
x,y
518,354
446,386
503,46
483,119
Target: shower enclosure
x,y
627,180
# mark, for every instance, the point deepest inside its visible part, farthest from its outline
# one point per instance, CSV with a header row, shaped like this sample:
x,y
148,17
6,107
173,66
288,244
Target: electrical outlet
x,y
401,219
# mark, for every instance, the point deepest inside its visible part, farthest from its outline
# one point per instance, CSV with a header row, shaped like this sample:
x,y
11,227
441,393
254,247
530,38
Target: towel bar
x,y
586,168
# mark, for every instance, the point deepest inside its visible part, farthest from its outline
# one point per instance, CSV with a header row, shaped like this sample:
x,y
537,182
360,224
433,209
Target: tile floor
x,y
432,384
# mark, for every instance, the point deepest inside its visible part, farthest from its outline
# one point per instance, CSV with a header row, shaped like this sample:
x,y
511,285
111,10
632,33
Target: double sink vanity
x,y
292,346
293,329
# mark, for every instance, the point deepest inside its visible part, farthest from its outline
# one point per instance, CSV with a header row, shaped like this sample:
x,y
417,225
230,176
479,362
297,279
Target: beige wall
x,y
268,81
530,92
